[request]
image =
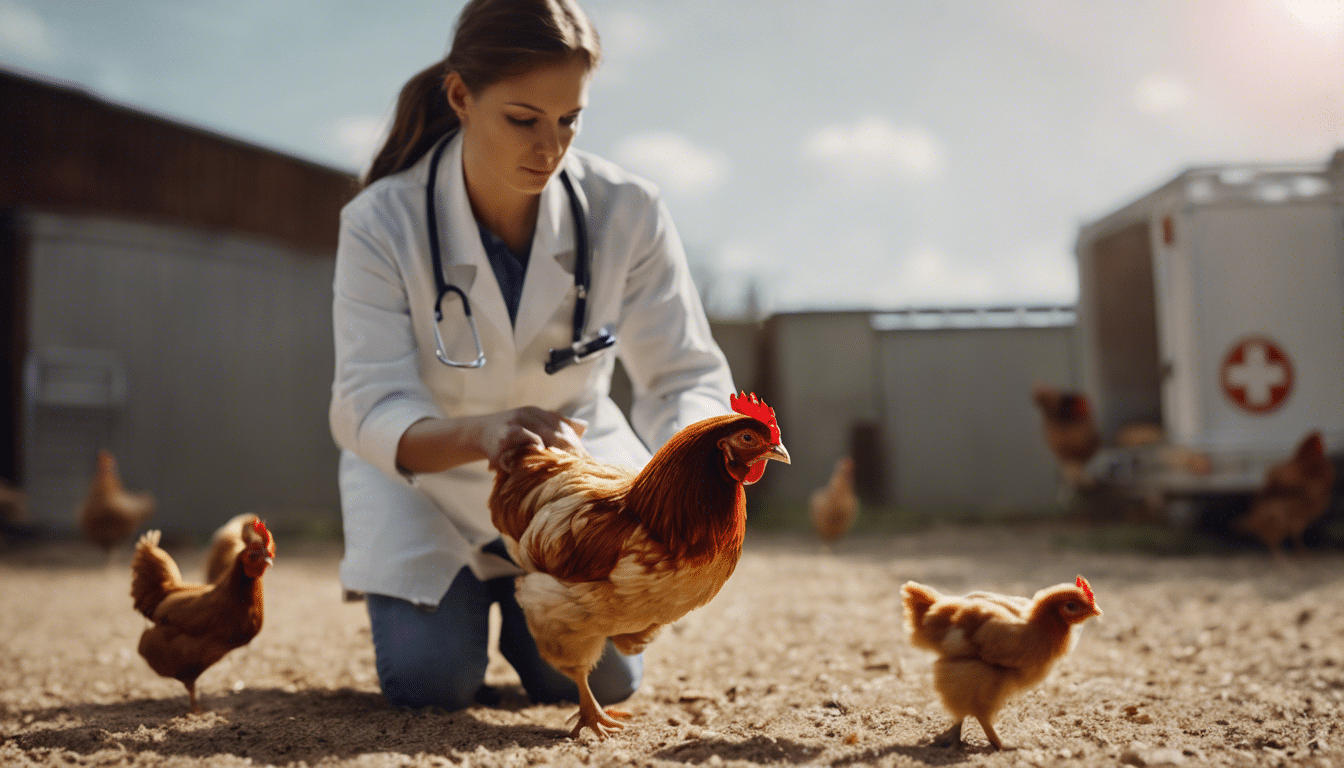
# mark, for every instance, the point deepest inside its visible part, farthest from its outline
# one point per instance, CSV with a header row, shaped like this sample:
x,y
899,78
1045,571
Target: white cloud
x,y
1160,94
874,148
357,137
670,160
627,37
1324,17
626,33
1044,270
929,277
25,33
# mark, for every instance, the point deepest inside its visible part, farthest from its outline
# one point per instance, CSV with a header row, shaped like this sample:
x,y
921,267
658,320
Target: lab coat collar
x,y
550,266
549,281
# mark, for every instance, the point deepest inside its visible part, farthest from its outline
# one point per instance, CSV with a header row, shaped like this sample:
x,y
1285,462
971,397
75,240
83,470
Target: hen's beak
x,y
779,453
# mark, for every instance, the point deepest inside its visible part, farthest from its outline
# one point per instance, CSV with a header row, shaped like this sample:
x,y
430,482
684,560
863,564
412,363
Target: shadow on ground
x,y
271,726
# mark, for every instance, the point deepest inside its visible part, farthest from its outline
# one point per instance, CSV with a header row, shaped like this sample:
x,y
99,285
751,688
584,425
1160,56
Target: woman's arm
x,y
381,409
436,445
678,372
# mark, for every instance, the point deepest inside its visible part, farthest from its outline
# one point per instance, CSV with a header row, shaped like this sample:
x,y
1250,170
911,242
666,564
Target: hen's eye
x,y
748,437
1071,607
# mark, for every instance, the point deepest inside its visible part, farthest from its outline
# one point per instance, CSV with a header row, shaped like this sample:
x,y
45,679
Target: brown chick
x,y
1069,431
835,507
196,624
1295,494
992,646
225,545
110,514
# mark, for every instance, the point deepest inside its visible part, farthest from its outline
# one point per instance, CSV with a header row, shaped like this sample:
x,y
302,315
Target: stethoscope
x,y
581,349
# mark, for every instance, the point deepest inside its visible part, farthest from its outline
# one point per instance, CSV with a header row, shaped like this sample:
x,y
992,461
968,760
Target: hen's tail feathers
x,y
917,599
154,574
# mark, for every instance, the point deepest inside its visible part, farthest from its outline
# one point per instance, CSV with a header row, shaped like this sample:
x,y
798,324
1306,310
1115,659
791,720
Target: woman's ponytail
x,y
422,117
494,40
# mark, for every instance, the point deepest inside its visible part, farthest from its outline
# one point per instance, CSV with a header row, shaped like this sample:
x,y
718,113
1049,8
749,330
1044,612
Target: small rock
x,y
691,695
1317,744
1165,757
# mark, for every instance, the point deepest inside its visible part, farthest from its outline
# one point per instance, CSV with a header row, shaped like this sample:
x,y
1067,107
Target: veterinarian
x,y
488,278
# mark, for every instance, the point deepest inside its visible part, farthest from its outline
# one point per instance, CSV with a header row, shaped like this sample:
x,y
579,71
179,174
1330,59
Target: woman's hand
x,y
502,433
436,445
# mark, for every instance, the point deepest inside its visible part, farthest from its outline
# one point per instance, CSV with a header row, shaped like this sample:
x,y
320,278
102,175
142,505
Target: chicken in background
x,y
13,506
611,553
835,507
196,624
110,514
992,646
227,542
1295,494
1070,432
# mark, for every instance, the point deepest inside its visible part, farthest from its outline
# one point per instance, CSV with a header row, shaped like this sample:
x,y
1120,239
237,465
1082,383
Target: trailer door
x,y
1269,315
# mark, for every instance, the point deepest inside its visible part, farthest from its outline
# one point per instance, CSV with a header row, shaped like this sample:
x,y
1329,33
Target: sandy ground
x,y
1223,659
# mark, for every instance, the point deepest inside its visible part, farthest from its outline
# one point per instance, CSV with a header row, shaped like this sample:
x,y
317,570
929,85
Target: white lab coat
x,y
408,537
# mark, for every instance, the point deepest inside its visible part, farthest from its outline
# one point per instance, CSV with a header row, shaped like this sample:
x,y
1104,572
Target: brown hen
x,y
611,553
110,514
835,507
196,624
1295,494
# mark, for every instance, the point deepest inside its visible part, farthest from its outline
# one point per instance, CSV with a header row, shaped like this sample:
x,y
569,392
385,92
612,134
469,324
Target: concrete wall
x,y
961,429
225,345
819,379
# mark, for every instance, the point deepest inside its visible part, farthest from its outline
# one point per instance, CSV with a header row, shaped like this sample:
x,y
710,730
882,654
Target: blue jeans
x,y
439,658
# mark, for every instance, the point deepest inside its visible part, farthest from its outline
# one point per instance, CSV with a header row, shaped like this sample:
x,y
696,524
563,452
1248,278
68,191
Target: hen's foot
x,y
601,722
949,738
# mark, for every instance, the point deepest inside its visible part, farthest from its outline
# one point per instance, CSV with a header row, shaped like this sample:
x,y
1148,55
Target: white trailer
x,y
1213,307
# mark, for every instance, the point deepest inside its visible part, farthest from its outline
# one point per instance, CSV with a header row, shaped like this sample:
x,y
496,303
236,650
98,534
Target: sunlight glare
x,y
1321,16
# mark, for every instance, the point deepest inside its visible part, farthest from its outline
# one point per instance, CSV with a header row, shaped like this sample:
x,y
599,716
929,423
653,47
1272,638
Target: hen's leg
x,y
191,694
949,738
989,732
590,714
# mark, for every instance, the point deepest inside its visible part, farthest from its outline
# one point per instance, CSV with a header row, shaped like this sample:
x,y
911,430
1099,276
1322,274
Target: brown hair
x,y
494,40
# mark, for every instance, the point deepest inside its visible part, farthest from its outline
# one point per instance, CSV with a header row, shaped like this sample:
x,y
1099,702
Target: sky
x,y
823,154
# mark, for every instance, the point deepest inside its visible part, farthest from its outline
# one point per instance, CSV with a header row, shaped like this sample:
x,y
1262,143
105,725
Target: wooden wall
x,y
64,149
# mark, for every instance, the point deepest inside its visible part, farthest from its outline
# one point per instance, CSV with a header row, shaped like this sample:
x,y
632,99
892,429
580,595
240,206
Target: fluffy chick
x,y
991,646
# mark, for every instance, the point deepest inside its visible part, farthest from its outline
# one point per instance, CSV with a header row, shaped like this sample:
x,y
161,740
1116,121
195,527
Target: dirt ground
x,y
1225,659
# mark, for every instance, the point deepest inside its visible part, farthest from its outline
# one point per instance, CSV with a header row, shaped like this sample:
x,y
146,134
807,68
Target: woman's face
x,y
516,131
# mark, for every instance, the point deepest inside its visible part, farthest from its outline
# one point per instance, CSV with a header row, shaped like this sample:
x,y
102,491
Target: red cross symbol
x,y
1257,375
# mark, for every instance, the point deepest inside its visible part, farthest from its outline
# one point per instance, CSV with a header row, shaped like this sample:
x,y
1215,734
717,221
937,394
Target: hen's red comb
x,y
755,407
1087,591
260,529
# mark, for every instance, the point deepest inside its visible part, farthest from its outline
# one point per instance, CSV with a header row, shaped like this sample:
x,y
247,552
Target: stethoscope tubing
x,y
559,358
